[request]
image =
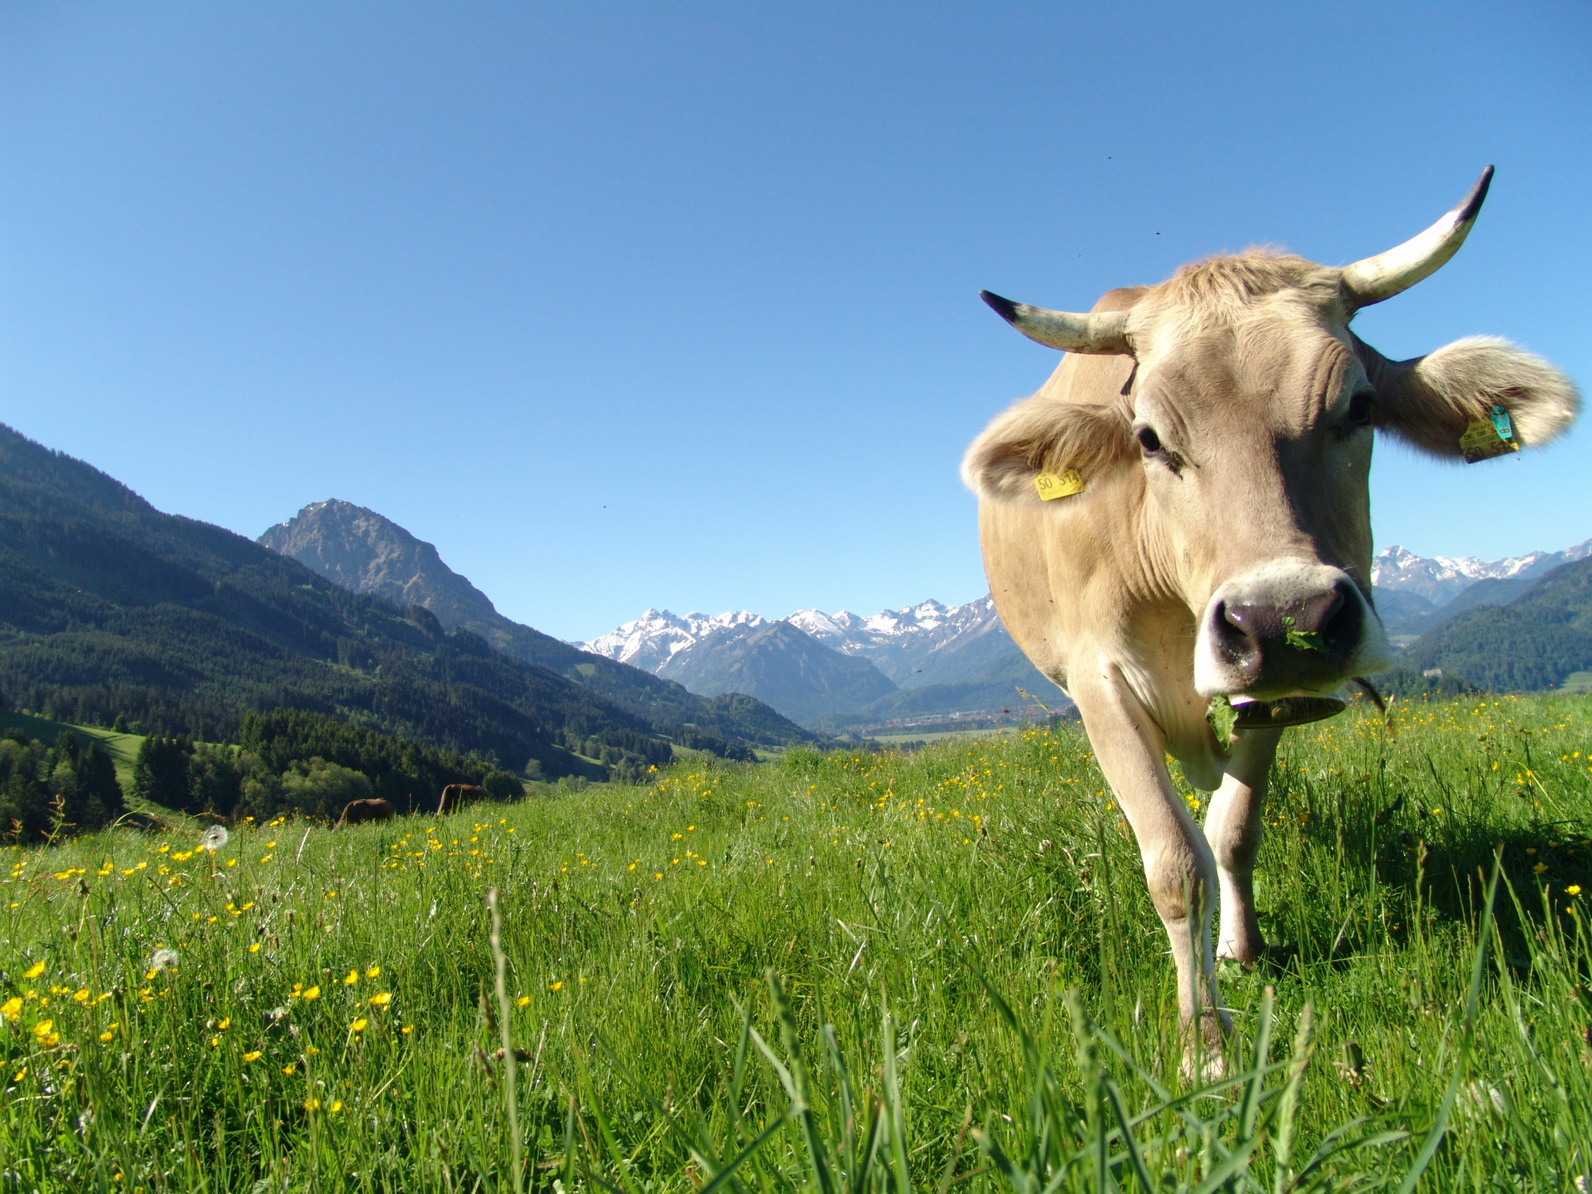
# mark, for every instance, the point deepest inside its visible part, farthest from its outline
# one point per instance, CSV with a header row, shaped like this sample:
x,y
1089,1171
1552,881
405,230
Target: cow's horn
x,y
1104,331
1381,277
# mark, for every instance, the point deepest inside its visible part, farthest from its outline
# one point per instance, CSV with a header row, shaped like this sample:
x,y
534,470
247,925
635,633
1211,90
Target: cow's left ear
x,y
1043,434
1429,402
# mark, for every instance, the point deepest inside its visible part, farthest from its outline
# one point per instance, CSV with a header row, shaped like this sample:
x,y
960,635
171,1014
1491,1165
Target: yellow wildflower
x,y
381,999
310,994
360,1024
34,970
353,977
252,1055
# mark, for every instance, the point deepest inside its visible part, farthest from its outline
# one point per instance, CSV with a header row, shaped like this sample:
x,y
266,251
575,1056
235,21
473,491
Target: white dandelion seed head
x,y
163,959
215,837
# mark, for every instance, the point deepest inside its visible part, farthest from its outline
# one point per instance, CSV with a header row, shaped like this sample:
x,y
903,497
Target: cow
x,y
456,796
1176,529
356,812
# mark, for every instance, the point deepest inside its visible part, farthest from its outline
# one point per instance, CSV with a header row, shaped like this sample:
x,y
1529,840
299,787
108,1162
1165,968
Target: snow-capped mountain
x,y
921,644
658,635
928,658
1440,579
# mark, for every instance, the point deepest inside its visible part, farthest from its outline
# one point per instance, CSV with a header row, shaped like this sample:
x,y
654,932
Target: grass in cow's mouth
x,y
1223,718
969,983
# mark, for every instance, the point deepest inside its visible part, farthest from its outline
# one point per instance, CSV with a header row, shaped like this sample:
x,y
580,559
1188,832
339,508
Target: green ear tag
x,y
1489,437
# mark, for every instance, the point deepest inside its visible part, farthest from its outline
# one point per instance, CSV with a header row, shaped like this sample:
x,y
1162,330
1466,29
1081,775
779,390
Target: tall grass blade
x,y
1439,1127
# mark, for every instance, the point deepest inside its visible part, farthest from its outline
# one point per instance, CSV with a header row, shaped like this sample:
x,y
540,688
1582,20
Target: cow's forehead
x,y
1256,328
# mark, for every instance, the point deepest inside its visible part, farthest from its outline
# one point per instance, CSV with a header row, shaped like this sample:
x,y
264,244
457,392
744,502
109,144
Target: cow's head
x,y
1250,412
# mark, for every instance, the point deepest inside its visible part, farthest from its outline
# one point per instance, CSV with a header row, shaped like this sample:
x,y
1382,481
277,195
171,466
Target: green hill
x,y
111,609
365,552
1537,641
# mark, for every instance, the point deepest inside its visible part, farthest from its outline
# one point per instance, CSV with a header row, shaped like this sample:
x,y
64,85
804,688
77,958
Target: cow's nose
x,y
1310,615
1302,640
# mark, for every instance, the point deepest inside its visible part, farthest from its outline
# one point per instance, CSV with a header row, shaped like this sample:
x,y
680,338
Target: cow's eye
x,y
1149,441
1359,412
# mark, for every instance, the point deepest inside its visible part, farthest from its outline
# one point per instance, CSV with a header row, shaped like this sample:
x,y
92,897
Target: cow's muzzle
x,y
1289,628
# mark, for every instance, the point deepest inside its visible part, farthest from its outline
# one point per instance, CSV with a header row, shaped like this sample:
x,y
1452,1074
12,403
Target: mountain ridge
x,y
365,552
112,609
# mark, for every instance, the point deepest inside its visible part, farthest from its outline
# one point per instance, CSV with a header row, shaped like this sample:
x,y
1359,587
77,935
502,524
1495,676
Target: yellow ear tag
x,y
1489,437
1058,485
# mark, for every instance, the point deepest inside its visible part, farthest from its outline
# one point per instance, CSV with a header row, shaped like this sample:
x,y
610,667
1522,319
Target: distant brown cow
x,y
456,796
357,811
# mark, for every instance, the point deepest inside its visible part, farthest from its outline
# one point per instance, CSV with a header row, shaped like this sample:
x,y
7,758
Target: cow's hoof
x,y
1204,1067
1247,956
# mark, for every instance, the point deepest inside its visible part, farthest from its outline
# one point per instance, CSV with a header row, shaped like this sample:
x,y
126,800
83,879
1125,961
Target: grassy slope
x,y
123,748
641,918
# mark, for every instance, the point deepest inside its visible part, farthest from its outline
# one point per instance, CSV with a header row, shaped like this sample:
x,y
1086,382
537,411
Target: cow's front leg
x,y
1178,865
1233,828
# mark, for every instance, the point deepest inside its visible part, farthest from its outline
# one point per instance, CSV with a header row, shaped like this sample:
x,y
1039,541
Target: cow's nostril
x,y
1240,617
1319,612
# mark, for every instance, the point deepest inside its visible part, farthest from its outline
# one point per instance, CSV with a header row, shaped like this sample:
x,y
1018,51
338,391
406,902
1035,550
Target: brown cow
x,y
1179,519
456,796
356,812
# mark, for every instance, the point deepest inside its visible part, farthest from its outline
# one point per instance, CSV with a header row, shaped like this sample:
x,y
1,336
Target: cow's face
x,y
1251,421
1251,415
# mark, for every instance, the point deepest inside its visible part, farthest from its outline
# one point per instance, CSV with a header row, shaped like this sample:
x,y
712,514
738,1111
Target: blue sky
x,y
675,305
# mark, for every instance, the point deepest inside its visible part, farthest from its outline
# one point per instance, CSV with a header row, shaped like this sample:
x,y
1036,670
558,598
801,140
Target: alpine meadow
x,y
558,635
829,972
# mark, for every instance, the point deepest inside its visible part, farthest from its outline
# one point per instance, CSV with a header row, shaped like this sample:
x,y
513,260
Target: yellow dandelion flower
x,y
310,994
290,1068
522,1001
252,1055
407,1029
20,1074
42,1028
11,1008
1574,889
34,970
360,1024
353,977
215,1041
1539,868
254,947
105,1037
225,1023
373,972
555,986
312,1104
337,1105
381,999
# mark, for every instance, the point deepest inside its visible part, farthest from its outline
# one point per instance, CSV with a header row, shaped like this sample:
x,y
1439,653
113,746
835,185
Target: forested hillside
x,y
365,552
1533,643
112,610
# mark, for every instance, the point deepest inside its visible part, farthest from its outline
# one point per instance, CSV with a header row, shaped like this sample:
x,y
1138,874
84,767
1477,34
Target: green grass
x,y
924,918
1577,684
123,748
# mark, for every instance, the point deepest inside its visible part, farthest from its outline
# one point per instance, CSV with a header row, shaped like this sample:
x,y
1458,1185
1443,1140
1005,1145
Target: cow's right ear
x,y
1040,435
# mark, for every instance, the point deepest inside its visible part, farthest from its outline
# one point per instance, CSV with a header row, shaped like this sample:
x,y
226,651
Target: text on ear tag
x,y
1485,438
1058,485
